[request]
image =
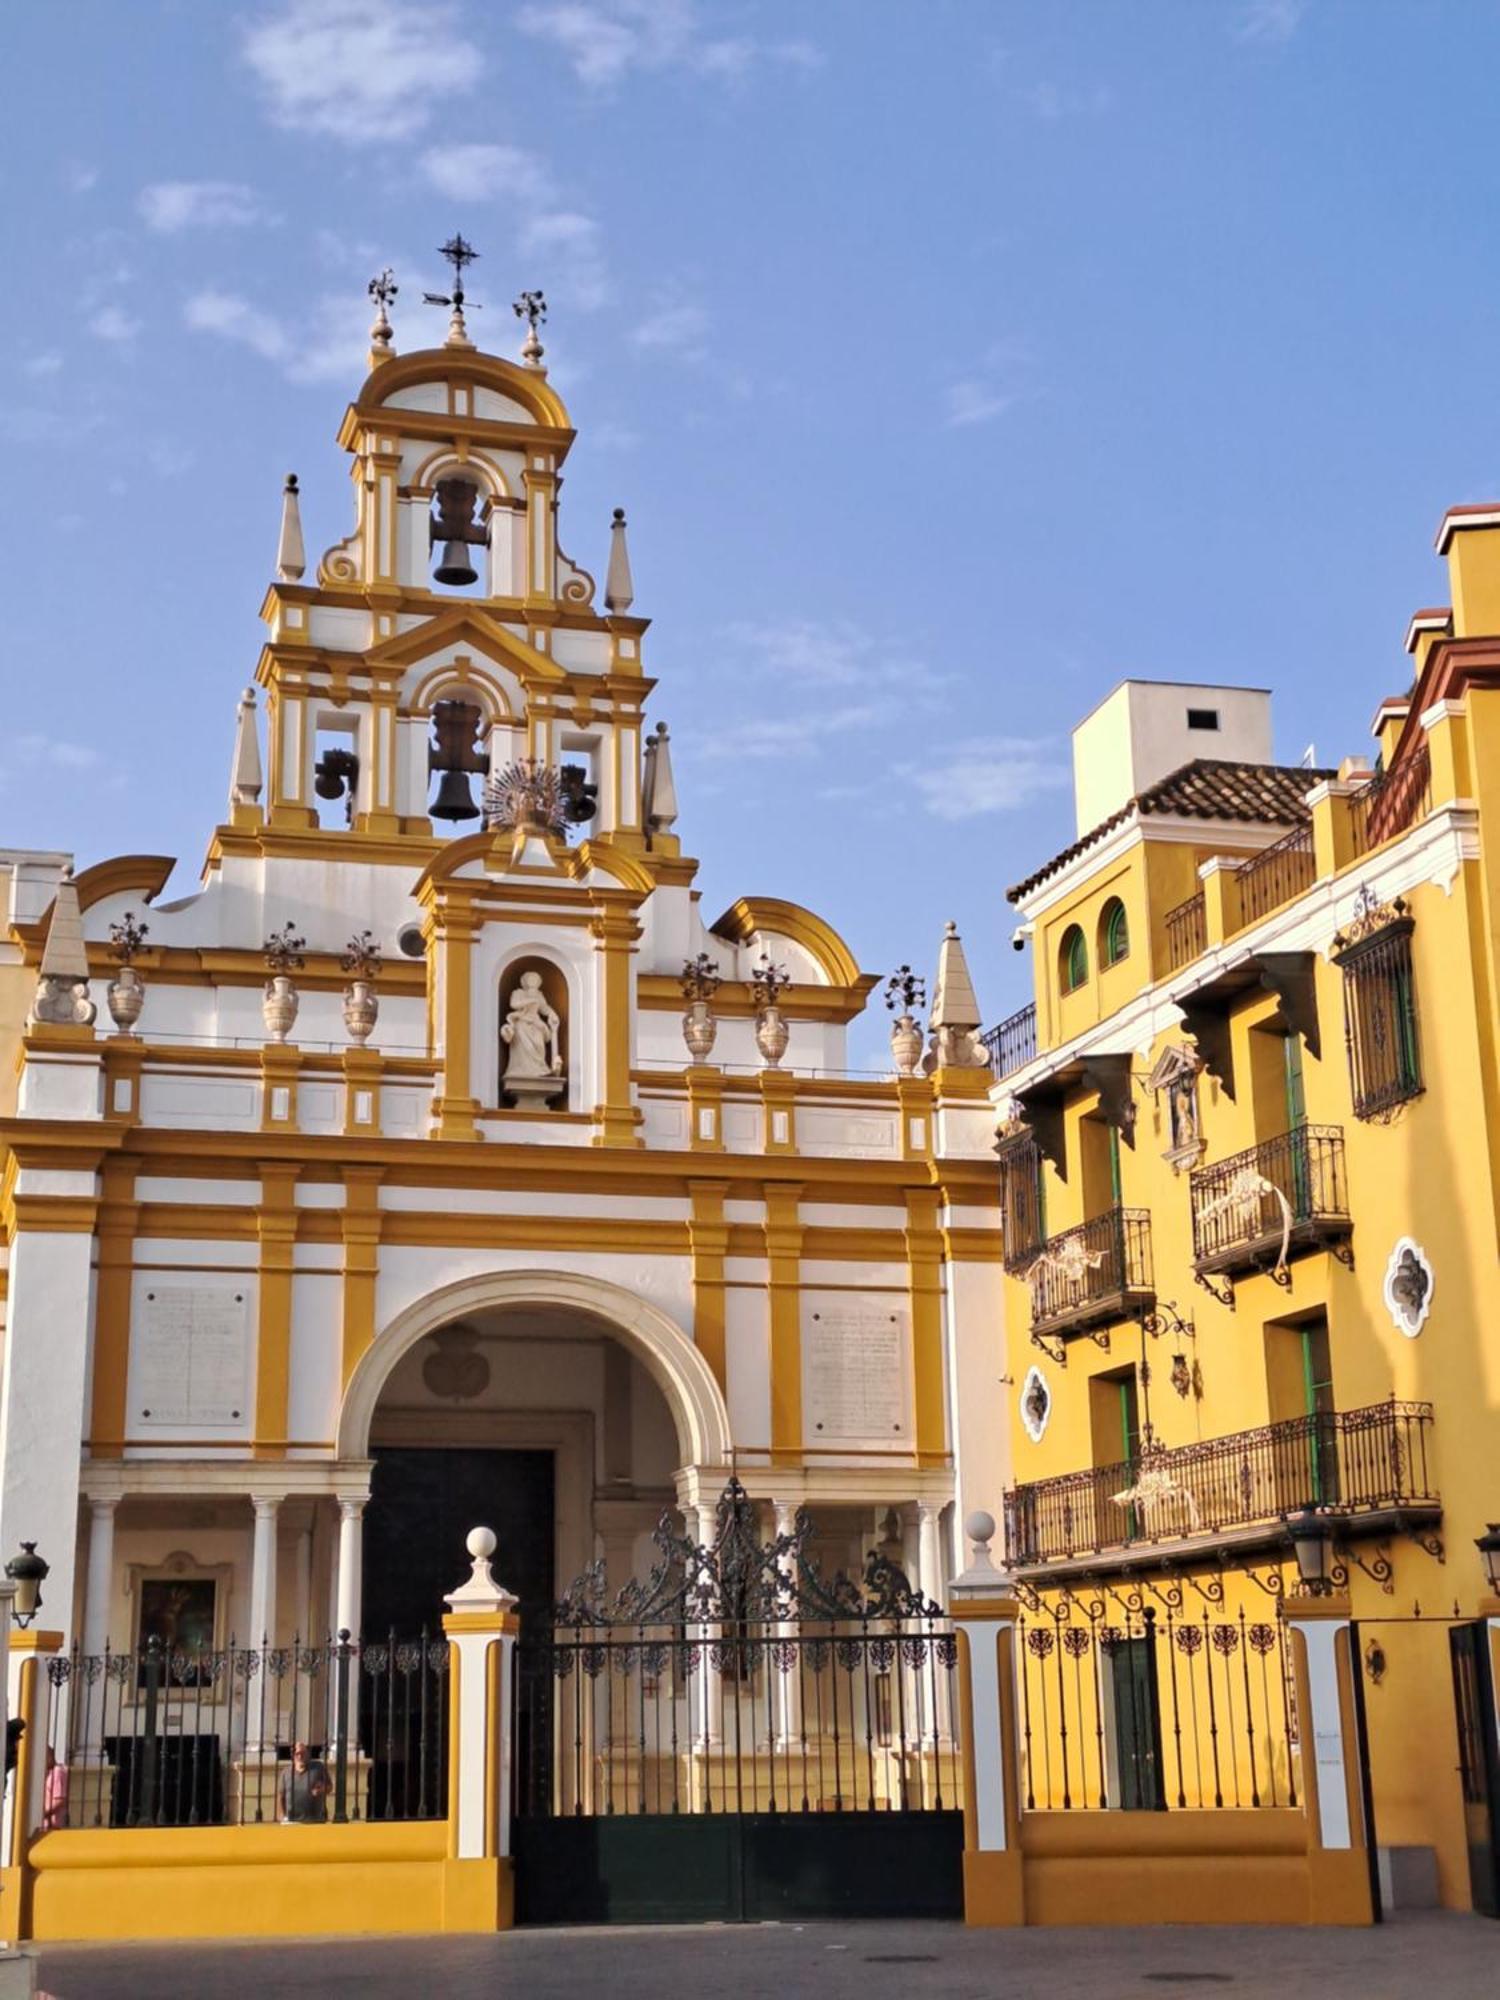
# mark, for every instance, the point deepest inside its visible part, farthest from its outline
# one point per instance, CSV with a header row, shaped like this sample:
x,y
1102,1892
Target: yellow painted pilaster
x,y
279,1064
119,1212
914,1094
615,934
924,1258
705,1088
778,1090
361,1220
709,1235
455,931
277,1229
363,1069
124,1057
783,1231
380,815
540,482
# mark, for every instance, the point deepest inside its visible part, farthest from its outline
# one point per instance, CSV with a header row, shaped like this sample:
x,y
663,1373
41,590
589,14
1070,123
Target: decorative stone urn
x,y
771,1035
906,1044
361,1008
127,996
278,1007
699,1030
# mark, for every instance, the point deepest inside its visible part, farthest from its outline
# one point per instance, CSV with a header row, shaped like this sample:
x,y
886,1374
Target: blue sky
x,y
952,360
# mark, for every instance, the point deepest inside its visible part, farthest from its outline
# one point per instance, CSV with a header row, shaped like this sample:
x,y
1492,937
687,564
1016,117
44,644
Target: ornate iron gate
x,y
738,1738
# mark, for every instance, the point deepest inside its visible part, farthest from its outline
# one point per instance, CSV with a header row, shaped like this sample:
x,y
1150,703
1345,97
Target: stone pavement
x,y
1457,1957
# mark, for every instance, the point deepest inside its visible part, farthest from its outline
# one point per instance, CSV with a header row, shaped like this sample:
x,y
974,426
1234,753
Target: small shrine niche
x,y
1173,1082
533,1036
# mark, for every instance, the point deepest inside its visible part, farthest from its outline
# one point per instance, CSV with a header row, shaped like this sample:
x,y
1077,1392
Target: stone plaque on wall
x,y
854,1370
190,1352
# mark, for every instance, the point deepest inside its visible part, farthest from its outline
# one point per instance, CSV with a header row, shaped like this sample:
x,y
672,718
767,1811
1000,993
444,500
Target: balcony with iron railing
x,y
1392,801
1187,932
1084,1278
1277,875
1368,1467
1258,1209
1013,1044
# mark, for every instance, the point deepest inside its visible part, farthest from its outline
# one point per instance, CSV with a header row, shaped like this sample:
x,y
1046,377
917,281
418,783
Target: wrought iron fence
x,y
201,1736
1353,1461
1013,1044
1257,1201
1089,1272
738,1680
1129,1708
1392,801
1277,874
1187,932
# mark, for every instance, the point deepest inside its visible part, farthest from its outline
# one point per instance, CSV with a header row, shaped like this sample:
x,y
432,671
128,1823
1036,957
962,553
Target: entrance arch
x,y
685,1379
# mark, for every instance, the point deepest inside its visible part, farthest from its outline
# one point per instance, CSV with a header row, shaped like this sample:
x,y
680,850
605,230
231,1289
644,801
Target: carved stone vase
x,y
361,1007
771,1036
906,1045
278,1007
126,996
699,1030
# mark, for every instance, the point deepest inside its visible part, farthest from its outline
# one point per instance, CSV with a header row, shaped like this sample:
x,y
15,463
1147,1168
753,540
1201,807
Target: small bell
x,y
455,566
455,798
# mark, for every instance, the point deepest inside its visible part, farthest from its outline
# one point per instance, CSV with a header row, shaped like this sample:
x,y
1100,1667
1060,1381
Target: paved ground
x,y
1456,1957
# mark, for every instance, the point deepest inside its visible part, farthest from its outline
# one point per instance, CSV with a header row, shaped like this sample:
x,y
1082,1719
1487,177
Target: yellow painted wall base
x,y
1166,1868
260,1881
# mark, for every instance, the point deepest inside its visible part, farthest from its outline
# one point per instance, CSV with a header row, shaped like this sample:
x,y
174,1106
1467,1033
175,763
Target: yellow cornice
x,y
281,843
472,623
518,384
558,614
748,915
662,993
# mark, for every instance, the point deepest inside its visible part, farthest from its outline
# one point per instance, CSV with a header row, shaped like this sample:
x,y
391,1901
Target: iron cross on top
x,y
458,253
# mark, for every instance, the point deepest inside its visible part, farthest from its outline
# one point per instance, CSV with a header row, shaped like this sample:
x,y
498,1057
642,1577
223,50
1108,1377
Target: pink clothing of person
x,y
55,1798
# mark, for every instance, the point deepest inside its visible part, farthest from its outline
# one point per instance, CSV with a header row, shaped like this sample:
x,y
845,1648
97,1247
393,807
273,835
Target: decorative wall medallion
x,y
455,1369
1036,1404
1408,1287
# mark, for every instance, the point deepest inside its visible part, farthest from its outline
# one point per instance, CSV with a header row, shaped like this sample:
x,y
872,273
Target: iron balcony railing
x,y
1257,1208
1353,1462
1392,801
1013,1044
1087,1276
1187,932
1277,875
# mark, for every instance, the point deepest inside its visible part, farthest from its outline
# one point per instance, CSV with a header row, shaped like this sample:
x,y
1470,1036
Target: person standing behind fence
x,y
304,1789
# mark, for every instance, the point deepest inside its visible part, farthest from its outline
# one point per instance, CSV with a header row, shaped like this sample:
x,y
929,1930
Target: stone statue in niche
x,y
1176,1076
532,1033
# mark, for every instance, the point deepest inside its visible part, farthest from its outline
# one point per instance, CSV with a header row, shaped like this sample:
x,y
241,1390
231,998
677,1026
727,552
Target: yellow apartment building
x,y
1250,1156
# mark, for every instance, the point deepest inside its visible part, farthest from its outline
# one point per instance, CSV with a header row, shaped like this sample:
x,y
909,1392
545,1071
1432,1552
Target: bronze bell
x,y
455,799
455,566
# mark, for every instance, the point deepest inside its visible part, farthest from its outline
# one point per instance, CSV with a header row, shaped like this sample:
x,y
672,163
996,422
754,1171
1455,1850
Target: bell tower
x,y
448,637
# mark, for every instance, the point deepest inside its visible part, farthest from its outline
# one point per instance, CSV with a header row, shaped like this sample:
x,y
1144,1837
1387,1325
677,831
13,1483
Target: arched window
x,y
1073,959
1114,933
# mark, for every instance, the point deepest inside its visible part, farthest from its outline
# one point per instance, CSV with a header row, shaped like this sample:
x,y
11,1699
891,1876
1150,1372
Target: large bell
x,y
455,566
455,799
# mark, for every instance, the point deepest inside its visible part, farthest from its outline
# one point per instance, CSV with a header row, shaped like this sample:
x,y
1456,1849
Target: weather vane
x,y
458,253
532,307
382,290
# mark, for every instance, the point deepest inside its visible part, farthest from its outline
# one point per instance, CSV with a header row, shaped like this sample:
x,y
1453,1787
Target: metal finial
x,y
532,307
458,253
382,290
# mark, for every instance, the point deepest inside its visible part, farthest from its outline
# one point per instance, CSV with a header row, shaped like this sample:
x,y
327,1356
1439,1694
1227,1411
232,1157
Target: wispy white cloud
x,y
1271,23
48,363
1052,102
35,748
330,345
80,177
361,71
114,324
168,206
800,735
825,653
569,248
234,318
988,390
494,172
605,40
986,775
674,329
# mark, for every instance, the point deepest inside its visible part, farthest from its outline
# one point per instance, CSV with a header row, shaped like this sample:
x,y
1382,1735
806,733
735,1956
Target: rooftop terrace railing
x,y
1187,932
1013,1044
1277,875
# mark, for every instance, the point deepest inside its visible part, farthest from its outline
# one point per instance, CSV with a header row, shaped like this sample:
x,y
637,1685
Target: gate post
x,y
481,1626
984,1618
1332,1761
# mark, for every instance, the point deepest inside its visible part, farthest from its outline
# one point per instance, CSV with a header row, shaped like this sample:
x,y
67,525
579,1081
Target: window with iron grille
x,y
1380,1013
1021,1200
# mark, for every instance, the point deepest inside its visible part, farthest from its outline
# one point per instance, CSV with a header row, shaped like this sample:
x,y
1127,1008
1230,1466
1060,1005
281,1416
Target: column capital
x,y
102,1505
266,1505
352,1505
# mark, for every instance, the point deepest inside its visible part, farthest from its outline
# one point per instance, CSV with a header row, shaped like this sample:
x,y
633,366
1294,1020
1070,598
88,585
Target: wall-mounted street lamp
x,y
28,1572
1312,1545
1488,1546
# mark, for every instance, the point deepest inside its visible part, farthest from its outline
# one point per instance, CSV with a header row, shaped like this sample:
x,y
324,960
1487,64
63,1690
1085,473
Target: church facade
x,y
436,1162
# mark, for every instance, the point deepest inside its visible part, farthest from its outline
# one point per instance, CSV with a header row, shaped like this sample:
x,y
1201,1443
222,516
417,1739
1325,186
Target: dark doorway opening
x,y
424,1499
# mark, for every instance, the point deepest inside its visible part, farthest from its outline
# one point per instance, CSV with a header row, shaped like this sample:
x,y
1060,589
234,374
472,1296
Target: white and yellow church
x,y
435,1161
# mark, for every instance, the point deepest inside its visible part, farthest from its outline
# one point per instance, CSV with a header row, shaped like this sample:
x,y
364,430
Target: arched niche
x,y
556,990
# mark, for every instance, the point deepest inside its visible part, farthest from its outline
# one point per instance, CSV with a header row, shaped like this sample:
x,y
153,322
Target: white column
x,y
788,1685
302,1586
984,1636
351,1565
482,1618
1325,1725
100,1575
263,1570
929,1551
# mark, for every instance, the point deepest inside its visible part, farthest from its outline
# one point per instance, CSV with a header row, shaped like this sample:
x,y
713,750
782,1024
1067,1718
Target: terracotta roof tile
x,y
1207,788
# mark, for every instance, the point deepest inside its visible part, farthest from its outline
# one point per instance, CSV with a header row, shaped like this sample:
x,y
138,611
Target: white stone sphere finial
x,y
980,1529
481,1544
479,1590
